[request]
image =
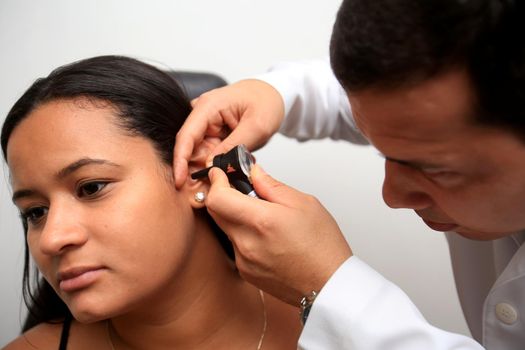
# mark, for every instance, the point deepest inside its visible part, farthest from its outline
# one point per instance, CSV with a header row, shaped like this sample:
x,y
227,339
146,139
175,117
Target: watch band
x,y
306,304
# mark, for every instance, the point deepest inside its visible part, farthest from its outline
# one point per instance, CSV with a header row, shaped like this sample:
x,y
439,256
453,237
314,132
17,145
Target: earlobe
x,y
198,199
197,189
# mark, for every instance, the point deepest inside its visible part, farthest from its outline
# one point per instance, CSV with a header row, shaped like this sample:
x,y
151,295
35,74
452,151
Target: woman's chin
x,y
87,314
86,317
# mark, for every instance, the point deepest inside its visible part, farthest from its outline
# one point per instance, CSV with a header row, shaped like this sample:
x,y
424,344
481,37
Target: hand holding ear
x,y
251,109
286,244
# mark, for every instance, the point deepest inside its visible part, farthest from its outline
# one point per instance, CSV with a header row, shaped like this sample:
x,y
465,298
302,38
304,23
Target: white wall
x,y
235,38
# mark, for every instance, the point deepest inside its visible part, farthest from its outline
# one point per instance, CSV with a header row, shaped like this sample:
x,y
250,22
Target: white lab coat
x,y
358,308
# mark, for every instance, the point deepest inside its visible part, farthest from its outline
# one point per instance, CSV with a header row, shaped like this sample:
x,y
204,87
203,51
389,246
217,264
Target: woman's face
x,y
106,227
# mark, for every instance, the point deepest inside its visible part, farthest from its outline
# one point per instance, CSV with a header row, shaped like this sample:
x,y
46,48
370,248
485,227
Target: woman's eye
x,y
90,189
34,215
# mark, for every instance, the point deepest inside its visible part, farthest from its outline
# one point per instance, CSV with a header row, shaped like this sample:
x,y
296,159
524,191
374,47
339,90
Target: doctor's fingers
x,y
262,244
206,119
273,259
275,191
251,109
267,276
276,196
247,132
228,205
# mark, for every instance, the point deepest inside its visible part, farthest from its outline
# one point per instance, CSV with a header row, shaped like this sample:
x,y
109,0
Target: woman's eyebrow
x,y
71,168
21,194
68,170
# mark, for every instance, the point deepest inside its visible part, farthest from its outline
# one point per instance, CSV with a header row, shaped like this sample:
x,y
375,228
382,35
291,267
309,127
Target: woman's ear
x,y
198,189
201,152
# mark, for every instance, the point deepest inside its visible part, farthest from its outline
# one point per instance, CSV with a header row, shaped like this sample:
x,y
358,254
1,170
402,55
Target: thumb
x,y
272,190
218,178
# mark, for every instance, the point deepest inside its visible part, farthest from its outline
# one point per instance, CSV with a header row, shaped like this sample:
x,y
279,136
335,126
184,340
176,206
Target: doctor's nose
x,y
403,188
63,230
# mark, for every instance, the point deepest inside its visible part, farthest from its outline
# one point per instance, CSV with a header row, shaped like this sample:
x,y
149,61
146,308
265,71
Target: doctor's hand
x,y
248,112
287,244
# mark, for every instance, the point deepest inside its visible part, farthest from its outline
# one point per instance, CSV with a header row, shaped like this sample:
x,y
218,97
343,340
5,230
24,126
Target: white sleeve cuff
x,y
360,309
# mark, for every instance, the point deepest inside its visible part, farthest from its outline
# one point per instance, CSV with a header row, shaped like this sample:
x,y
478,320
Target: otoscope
x,y
237,164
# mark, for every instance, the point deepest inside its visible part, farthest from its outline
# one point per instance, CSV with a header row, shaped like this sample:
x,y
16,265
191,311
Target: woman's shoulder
x,y
47,336
42,336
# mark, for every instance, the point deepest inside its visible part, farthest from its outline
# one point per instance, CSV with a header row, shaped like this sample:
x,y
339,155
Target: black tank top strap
x,y
65,332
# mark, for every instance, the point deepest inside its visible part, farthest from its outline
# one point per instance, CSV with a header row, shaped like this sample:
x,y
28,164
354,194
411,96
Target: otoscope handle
x,y
244,187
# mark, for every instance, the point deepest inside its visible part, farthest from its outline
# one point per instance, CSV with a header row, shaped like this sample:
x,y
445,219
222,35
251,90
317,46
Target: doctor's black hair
x,y
147,102
392,44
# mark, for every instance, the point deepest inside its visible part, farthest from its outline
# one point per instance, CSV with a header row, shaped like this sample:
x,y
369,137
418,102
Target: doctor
x,y
438,87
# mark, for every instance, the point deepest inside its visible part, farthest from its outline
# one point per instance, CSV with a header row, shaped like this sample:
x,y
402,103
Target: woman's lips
x,y
439,226
78,278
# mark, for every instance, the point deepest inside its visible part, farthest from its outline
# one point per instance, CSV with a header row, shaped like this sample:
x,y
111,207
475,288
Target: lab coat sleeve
x,y
316,106
359,309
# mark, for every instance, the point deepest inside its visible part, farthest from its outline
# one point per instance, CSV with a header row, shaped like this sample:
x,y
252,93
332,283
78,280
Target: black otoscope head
x,y
237,164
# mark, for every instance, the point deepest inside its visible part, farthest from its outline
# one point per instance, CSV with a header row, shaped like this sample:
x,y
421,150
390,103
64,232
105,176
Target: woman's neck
x,y
207,305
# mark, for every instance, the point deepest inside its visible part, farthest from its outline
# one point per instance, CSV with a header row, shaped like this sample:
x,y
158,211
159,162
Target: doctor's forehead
x,y
437,107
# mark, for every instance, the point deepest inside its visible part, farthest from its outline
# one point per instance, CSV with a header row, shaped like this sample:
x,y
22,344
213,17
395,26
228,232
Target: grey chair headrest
x,y
196,83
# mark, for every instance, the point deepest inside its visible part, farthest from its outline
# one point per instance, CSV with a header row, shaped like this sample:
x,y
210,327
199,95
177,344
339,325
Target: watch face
x,y
246,159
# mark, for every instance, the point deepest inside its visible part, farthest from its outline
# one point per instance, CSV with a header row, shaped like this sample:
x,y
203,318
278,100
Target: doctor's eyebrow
x,y
422,165
68,170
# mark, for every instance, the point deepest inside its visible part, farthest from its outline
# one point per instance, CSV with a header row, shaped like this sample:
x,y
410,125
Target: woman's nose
x,y
63,229
403,187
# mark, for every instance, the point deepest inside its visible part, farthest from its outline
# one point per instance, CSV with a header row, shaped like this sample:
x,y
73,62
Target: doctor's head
x,y
438,87
89,150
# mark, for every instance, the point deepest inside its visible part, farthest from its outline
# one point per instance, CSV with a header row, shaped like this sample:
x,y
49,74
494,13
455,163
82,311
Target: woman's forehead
x,y
61,132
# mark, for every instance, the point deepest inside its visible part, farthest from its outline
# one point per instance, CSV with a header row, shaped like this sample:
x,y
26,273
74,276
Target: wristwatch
x,y
306,304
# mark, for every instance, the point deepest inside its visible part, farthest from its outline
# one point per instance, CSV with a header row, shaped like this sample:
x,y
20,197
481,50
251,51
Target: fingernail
x,y
257,170
211,173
